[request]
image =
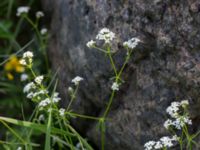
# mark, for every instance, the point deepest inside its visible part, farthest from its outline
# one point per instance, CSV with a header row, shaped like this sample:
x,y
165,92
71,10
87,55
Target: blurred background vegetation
x,y
16,36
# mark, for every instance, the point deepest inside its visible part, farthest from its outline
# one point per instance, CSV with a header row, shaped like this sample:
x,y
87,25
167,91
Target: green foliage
x,y
5,27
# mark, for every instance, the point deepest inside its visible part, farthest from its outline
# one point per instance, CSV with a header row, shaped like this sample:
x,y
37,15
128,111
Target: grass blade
x,y
48,133
35,126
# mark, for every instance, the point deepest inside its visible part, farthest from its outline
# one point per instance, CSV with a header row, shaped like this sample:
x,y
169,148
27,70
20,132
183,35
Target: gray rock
x,y
165,66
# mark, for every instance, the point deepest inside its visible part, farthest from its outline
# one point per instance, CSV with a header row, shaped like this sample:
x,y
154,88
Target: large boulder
x,y
165,66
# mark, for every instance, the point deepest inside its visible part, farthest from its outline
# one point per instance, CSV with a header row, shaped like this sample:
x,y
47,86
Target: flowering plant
x,y
178,111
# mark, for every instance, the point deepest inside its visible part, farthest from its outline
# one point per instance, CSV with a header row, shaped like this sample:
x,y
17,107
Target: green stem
x,y
72,98
83,116
39,39
102,50
102,139
10,5
112,61
109,104
69,141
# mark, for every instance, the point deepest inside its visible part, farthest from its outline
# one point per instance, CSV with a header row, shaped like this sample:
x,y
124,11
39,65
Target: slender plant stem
x,y
83,116
73,96
109,104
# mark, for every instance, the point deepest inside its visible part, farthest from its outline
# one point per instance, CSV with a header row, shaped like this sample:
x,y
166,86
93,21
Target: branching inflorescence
x,y
108,37
178,126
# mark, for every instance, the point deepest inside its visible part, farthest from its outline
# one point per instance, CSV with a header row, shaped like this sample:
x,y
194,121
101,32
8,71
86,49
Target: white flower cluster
x,y
106,35
33,92
54,99
39,79
37,95
43,31
27,58
164,142
132,43
62,112
37,92
115,86
91,43
22,10
76,80
174,110
44,102
39,14
29,87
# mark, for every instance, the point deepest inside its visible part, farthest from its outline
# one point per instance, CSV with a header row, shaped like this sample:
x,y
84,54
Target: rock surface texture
x,y
165,67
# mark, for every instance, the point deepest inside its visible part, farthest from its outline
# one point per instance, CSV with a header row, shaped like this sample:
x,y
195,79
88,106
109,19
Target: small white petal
x,y
22,10
43,31
39,79
39,14
62,112
76,80
115,86
91,43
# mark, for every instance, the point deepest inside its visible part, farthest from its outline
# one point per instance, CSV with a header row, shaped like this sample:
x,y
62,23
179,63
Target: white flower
x,y
175,138
158,145
28,54
28,87
55,94
41,92
27,58
149,145
23,62
181,121
19,148
76,80
30,95
173,109
187,120
70,90
44,102
41,117
22,10
55,97
106,35
168,123
24,77
39,79
115,86
184,103
166,141
132,43
91,43
43,31
62,112
39,14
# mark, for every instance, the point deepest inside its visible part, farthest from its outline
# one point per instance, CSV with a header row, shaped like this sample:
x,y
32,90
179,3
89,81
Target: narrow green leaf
x,y
35,126
48,133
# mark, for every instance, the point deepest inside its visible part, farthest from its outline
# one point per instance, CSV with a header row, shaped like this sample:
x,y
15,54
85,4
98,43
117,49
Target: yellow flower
x,y
10,76
13,65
